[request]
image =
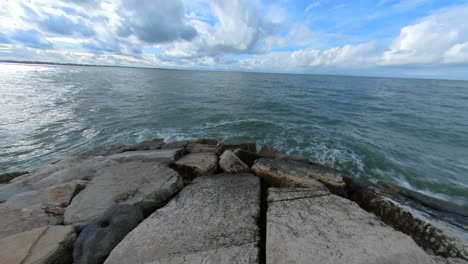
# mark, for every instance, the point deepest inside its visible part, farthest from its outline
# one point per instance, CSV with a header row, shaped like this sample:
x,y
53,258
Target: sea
x,y
409,132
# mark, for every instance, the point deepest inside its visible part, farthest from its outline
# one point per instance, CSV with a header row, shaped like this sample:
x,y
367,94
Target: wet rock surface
x,y
213,220
314,226
439,237
6,177
247,157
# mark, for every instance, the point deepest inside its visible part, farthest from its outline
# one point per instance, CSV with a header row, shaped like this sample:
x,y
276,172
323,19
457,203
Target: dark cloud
x,y
62,25
155,21
31,38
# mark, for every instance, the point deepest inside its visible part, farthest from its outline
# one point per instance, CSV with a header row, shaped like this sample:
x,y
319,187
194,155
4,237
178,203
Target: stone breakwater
x,y
202,201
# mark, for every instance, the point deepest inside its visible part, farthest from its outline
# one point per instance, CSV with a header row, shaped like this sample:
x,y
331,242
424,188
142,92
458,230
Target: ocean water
x,y
410,132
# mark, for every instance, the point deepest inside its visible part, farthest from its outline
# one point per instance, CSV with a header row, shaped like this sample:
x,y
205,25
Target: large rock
x,y
6,177
148,184
250,146
288,173
66,170
43,245
198,148
212,220
197,164
313,226
230,163
162,155
270,152
247,157
97,239
421,223
29,210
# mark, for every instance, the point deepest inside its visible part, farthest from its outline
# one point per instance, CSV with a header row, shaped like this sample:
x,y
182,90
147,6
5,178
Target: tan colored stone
x,y
43,245
291,173
197,164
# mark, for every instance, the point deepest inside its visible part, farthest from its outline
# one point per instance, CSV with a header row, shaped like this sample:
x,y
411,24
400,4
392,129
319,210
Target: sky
x,y
398,38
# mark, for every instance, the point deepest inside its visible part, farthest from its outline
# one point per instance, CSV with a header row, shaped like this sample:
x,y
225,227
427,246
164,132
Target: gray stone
x,y
313,226
441,260
97,239
290,173
207,141
197,164
431,234
6,177
29,210
12,189
248,158
230,163
148,184
250,146
81,171
175,144
162,155
198,148
43,245
270,152
156,143
212,220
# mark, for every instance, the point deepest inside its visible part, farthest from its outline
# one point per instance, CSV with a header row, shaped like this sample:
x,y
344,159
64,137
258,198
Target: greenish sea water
x,y
410,132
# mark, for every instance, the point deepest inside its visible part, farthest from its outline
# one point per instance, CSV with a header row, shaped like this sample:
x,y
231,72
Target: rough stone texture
x,y
66,170
250,146
212,220
290,173
230,163
198,148
313,226
277,176
43,245
148,184
57,195
29,210
97,239
156,143
441,260
175,144
197,164
247,157
207,141
6,177
82,171
270,152
436,236
163,156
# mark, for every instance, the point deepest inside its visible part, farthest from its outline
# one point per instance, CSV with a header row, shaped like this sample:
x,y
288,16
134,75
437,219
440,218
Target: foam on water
x,y
410,132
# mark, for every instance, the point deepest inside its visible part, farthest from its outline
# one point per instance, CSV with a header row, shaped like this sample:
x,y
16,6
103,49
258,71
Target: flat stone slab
x,y
314,226
212,220
28,210
148,184
43,245
292,173
160,155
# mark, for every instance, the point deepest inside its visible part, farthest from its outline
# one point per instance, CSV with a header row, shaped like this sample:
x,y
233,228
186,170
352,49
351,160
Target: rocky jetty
x,y
203,201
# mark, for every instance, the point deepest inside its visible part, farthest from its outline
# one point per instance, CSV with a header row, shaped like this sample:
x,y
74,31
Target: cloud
x,y
430,40
154,21
4,39
31,38
63,25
